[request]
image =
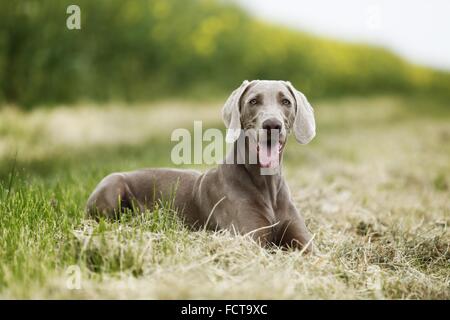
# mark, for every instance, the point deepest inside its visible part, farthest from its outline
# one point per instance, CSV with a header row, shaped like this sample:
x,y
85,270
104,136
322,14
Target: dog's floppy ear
x,y
304,123
231,114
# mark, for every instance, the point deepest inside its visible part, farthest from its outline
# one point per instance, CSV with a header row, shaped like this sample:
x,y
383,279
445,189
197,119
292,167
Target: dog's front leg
x,y
258,227
293,233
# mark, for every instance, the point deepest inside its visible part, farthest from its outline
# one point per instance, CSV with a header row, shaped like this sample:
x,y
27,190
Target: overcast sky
x,y
419,30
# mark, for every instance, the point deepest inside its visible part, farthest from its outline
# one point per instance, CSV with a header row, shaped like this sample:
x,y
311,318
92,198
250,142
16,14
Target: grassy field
x,y
374,187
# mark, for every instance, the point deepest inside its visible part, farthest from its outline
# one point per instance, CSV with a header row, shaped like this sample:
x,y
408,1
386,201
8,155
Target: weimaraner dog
x,y
235,195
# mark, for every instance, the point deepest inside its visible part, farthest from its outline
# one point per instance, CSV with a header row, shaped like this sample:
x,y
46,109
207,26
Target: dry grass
x,y
374,188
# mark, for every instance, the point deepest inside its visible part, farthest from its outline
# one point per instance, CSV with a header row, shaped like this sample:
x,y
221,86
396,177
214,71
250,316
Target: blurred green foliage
x,y
141,49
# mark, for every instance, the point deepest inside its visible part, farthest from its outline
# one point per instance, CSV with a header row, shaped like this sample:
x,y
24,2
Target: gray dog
x,y
235,195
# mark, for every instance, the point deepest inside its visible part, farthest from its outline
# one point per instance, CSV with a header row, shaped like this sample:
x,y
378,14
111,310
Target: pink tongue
x,y
268,156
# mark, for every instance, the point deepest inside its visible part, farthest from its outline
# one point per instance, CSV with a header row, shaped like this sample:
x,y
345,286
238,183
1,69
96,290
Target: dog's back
x,y
142,189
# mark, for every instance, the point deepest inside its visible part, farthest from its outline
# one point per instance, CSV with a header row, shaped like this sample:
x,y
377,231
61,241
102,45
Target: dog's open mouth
x,y
269,153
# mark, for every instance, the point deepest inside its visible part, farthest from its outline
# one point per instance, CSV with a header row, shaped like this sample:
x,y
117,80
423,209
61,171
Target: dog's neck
x,y
266,180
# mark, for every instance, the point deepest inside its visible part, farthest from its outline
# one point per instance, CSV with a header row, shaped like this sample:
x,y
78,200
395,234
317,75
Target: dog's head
x,y
266,111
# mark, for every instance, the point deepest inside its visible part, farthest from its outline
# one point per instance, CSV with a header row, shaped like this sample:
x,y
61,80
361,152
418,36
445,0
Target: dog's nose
x,y
272,124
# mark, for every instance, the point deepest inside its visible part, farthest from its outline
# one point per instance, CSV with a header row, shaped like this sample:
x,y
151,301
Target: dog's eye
x,y
286,102
253,101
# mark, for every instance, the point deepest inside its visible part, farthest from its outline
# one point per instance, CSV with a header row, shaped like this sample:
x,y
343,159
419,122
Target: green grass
x,y
373,186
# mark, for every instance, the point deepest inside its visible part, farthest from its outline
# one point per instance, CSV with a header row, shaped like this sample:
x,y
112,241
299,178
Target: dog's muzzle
x,y
270,143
